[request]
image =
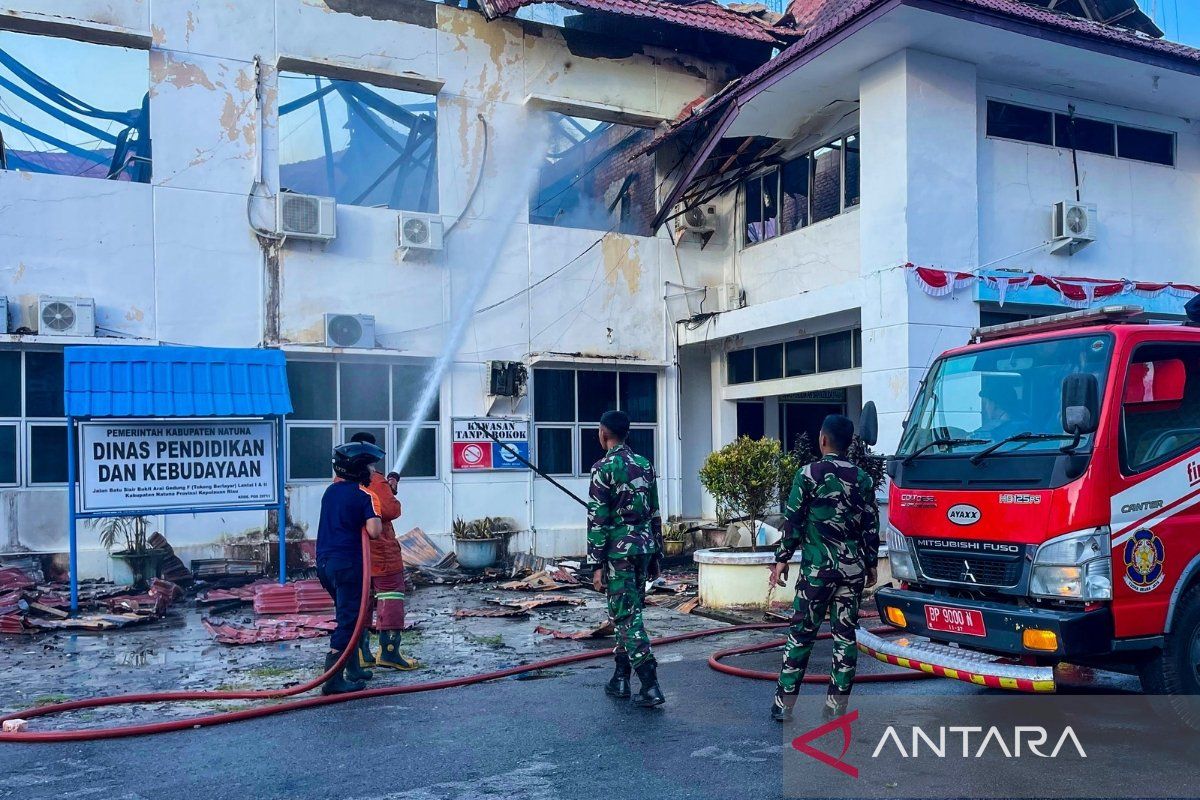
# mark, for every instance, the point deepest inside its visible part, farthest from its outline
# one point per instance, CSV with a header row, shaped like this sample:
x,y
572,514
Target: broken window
x,y
360,144
74,108
590,178
761,197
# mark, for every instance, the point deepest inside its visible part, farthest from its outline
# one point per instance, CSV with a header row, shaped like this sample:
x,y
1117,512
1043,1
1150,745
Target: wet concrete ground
x,y
556,737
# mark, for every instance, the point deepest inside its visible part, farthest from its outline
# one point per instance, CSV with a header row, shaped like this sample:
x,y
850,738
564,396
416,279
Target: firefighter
x,y
346,510
387,578
832,518
624,550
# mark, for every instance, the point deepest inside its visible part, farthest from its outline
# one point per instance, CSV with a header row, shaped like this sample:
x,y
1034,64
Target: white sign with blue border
x,y
474,450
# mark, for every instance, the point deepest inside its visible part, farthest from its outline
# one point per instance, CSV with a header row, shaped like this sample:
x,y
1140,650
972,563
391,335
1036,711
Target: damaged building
x,y
739,220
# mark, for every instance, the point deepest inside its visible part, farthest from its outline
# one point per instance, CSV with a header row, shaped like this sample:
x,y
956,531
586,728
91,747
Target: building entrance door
x,y
798,418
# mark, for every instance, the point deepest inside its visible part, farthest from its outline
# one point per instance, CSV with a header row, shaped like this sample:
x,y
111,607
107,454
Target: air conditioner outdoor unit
x,y
730,297
306,216
349,330
1074,227
420,231
3,315
508,379
66,316
700,220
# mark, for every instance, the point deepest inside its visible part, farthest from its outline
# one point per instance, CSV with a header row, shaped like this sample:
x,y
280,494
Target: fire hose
x,y
206,720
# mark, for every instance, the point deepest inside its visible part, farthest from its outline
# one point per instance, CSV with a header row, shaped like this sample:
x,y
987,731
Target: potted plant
x,y
746,479
477,543
673,536
138,556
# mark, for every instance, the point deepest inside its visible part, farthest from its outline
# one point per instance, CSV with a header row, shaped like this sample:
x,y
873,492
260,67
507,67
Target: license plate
x,y
955,620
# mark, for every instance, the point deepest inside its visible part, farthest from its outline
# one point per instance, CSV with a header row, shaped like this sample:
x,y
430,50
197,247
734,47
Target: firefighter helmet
x,y
352,460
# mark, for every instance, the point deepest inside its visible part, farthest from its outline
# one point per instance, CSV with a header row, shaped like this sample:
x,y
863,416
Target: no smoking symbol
x,y
472,454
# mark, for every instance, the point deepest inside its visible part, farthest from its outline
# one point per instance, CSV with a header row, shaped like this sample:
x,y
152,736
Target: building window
x,y
828,352
1160,417
333,400
361,144
32,419
812,187
568,403
74,108
1038,126
588,179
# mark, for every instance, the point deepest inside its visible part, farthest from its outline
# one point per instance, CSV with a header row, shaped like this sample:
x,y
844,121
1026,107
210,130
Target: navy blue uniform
x,y
345,509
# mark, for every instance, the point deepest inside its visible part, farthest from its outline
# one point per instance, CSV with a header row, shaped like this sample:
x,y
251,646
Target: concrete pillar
x,y
919,126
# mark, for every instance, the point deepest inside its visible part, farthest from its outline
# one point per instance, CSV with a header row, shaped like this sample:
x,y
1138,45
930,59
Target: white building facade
x,y
895,132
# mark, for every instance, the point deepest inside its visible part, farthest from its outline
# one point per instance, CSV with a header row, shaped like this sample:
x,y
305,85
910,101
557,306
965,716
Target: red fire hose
x,y
383,691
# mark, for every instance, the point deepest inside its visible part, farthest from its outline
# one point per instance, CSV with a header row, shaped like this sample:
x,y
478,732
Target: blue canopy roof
x,y
148,381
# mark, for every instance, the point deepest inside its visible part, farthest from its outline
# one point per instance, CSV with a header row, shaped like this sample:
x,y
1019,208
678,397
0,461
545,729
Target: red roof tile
x,y
703,15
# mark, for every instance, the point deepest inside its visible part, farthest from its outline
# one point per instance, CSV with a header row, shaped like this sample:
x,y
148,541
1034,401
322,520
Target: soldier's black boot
x,y
618,684
650,695
781,707
337,682
835,706
356,665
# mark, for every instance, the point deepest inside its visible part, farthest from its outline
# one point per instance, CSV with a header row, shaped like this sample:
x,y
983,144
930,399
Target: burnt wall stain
x,y
414,12
274,280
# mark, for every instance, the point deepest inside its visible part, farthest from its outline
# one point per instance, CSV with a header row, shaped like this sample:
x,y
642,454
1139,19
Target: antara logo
x,y
976,741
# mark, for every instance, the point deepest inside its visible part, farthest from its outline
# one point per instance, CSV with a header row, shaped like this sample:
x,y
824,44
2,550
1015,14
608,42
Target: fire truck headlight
x,y
1076,566
900,555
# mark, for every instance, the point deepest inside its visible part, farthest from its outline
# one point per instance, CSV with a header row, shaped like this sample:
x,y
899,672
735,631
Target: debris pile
x,y
425,564
300,597
172,567
285,628
27,606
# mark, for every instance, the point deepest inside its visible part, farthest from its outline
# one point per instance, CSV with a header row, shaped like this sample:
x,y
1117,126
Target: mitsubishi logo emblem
x,y
966,574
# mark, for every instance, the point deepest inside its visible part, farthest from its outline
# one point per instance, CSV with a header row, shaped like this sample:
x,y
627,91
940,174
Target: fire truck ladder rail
x,y
957,663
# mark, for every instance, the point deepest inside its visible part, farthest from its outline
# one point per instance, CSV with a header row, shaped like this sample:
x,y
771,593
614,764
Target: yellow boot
x,y
390,656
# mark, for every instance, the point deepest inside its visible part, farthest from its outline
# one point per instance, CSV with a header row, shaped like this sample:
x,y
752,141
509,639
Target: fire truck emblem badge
x,y
1144,555
966,574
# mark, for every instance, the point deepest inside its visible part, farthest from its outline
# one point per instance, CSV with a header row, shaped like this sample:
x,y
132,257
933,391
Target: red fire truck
x,y
1045,506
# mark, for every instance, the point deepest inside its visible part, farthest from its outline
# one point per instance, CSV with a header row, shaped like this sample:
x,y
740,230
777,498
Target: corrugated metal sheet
x,y
146,381
698,15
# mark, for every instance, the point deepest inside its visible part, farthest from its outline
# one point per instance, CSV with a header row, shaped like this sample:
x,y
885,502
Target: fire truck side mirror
x,y
1080,404
868,424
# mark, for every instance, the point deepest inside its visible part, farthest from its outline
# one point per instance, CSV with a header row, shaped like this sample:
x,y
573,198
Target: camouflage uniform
x,y
832,518
625,538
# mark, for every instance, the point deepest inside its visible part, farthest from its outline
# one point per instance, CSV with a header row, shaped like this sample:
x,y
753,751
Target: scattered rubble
x,y
545,580
286,628
504,611
298,597
603,630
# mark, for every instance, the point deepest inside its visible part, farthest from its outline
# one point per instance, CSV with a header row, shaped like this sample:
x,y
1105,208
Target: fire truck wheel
x,y
1175,672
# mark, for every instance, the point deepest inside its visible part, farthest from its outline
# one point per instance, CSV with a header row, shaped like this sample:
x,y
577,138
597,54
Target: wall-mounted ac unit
x,y
730,297
349,330
3,315
700,220
306,216
508,379
1074,227
420,231
66,316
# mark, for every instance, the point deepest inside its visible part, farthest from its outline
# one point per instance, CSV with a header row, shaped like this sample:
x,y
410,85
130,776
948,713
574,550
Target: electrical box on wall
x,y
508,379
730,297
1074,227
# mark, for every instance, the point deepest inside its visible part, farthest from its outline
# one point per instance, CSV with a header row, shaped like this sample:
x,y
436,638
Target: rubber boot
x,y
781,707
337,683
390,656
650,695
618,684
835,706
355,670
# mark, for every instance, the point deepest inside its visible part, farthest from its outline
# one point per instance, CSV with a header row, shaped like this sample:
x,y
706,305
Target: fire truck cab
x,y
1044,506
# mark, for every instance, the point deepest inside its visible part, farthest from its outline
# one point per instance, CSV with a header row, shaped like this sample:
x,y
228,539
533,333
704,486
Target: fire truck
x,y
1044,506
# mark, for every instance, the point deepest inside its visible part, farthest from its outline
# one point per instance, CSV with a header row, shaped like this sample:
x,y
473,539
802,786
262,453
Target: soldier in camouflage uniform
x,y
832,518
624,549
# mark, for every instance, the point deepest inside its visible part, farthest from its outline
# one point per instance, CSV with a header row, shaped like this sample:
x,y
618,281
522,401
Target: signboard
x,y
176,465
818,396
474,450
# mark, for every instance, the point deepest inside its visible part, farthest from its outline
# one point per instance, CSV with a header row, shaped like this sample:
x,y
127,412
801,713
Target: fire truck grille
x,y
968,570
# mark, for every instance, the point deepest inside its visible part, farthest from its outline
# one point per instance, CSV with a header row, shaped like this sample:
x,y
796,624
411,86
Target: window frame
x,y
390,426
1055,114
23,457
577,426
855,355
1128,470
776,168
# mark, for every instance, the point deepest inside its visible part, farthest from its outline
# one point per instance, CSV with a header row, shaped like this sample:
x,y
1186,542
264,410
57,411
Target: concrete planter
x,y
738,577
477,553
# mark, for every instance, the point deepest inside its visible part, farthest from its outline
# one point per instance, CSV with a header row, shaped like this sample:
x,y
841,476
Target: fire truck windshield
x,y
975,401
